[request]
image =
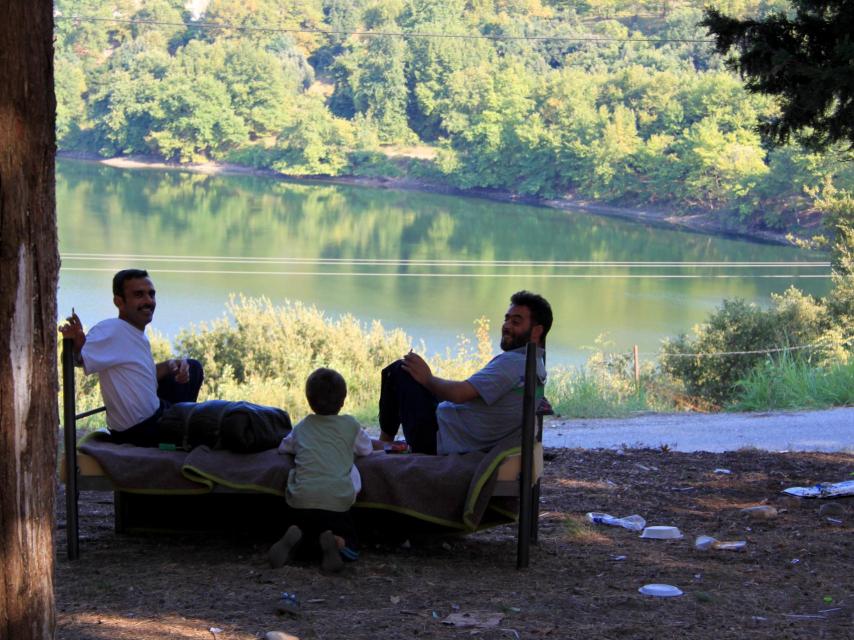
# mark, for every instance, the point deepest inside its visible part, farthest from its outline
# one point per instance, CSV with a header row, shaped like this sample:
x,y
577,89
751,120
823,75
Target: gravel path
x,y
828,430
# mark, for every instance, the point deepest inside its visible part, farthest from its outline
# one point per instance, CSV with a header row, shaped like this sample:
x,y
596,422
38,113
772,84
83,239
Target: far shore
x,y
697,222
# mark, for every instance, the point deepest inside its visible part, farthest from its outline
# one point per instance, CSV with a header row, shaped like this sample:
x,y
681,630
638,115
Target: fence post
x,y
637,367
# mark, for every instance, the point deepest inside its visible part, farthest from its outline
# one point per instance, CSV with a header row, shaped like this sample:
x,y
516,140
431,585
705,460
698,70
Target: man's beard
x,y
509,342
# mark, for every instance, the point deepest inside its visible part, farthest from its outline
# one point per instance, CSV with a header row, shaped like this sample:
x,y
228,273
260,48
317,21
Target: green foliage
x,y
838,208
315,142
627,119
804,57
196,122
789,384
741,330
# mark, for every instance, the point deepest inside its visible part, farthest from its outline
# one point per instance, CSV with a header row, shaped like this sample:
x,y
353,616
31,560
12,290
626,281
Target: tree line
x,y
603,99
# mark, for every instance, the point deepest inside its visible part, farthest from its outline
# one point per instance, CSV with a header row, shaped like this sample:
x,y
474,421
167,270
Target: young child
x,y
324,482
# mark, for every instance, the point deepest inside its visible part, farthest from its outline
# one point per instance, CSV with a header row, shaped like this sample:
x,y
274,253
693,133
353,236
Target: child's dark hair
x,y
326,391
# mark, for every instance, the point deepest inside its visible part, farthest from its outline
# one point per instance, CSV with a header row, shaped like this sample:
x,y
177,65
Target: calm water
x,y
429,264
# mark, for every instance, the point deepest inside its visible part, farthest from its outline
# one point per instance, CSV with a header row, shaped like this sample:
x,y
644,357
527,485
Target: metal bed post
x,y
526,492
70,428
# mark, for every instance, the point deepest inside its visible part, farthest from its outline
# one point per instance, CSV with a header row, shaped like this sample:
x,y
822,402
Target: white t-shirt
x,y
121,356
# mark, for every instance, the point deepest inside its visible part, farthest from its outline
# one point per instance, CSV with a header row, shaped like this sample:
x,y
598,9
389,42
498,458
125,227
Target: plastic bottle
x,y
632,523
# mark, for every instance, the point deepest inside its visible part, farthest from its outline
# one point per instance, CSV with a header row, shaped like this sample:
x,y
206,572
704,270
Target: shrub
x,y
724,349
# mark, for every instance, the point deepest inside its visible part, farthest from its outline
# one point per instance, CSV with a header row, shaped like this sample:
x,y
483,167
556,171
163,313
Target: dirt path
x,y
828,430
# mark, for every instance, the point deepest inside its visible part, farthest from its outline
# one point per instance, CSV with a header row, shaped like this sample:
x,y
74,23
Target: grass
x,y
594,391
794,384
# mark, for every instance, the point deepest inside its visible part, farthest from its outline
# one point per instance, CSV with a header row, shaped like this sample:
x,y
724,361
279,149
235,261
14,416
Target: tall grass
x,y
605,387
788,383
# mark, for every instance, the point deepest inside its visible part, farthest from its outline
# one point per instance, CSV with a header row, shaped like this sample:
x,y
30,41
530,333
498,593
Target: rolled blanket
x,y
242,427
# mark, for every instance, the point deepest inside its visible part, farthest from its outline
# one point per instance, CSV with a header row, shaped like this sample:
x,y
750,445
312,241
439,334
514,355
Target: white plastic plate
x,y
660,590
662,533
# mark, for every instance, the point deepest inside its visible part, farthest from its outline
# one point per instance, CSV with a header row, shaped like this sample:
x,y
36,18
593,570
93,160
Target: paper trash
x,y
823,490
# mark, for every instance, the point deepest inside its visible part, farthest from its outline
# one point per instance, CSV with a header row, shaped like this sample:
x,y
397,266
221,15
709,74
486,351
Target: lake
x,y
429,264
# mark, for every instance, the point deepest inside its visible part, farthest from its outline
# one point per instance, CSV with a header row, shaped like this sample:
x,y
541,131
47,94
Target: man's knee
x,y
197,376
196,370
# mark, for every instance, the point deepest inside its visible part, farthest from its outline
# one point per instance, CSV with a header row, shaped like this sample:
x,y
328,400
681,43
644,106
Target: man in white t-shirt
x,y
457,416
135,389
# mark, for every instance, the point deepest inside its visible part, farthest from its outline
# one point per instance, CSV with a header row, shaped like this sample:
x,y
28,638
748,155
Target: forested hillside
x,y
616,101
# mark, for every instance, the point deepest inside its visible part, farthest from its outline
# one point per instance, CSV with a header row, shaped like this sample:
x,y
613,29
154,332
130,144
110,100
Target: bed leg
x,y
71,472
119,515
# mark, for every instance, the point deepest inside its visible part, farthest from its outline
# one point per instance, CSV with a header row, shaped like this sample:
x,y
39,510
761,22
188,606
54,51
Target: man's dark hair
x,y
541,310
326,391
123,276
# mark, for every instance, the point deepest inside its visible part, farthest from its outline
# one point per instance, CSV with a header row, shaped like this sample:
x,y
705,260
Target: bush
x,y
724,349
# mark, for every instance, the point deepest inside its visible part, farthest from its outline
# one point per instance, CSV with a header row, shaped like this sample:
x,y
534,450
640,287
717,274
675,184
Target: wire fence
x,y
372,34
715,354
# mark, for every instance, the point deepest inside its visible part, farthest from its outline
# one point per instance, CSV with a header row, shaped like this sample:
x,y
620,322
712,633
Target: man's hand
x,y
415,366
179,368
452,390
73,329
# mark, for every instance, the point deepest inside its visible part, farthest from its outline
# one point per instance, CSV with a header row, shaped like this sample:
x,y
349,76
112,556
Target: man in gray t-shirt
x,y
448,416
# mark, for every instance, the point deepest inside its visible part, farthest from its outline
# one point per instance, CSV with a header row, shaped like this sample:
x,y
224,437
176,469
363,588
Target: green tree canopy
x,y
806,59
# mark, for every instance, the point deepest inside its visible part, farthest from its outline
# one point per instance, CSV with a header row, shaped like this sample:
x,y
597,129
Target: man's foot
x,y
281,552
330,561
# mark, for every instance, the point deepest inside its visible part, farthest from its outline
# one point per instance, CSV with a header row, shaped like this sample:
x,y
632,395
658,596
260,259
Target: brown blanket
x,y
453,491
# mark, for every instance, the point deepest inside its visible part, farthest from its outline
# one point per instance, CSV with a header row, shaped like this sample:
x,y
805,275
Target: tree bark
x,y
29,266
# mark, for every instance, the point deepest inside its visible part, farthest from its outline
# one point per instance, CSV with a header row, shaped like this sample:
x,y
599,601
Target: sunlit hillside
x,y
605,99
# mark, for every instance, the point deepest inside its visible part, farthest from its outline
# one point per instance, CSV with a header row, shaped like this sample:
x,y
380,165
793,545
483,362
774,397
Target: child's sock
x,y
348,554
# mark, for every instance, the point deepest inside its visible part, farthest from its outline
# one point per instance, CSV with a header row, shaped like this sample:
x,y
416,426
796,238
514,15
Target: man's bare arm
x,y
451,390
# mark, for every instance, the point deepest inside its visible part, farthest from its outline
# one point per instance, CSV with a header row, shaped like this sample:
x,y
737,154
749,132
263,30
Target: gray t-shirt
x,y
480,423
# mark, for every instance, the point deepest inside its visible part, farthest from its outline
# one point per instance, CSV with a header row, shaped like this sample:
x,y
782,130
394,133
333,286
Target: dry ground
x,y
793,580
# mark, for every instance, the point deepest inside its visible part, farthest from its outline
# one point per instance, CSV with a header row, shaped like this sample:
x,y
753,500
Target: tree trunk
x,y
29,266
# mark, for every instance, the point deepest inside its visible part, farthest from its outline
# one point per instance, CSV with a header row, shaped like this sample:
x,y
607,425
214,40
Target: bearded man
x,y
450,416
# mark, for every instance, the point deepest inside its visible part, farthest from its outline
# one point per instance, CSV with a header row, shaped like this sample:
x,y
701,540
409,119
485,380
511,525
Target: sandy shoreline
x,y
697,223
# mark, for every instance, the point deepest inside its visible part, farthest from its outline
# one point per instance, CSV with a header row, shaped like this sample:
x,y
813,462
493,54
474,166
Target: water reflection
x,y
428,263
